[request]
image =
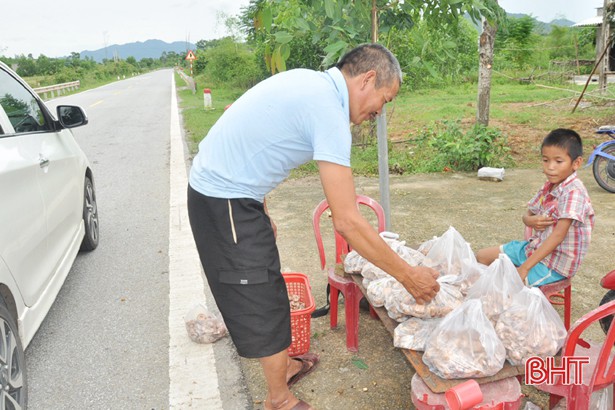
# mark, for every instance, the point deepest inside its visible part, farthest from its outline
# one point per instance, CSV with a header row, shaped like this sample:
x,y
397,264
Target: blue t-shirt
x,y
279,124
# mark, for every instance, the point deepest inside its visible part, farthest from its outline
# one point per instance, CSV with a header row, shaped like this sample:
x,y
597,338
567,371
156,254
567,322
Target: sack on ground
x,y
204,326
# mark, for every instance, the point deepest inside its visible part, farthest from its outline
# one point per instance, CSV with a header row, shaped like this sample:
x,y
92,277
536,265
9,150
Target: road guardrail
x,y
57,89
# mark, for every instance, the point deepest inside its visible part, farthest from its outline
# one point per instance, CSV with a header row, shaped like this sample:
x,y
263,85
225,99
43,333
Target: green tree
x,y
231,63
516,41
342,24
430,56
26,66
133,62
570,43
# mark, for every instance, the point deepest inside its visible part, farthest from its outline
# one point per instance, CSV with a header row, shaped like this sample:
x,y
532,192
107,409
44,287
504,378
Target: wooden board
x,y
433,381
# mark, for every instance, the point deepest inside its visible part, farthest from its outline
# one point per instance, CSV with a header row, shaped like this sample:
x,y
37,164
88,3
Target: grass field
x,y
523,113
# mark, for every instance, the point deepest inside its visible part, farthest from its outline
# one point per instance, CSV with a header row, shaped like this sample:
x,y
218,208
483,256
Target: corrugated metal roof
x,y
592,21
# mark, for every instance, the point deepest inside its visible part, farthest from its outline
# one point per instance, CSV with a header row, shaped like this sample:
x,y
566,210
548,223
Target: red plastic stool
x,y
553,291
351,291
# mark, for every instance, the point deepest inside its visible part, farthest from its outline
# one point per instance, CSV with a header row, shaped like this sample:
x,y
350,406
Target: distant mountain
x,y
562,22
138,50
541,26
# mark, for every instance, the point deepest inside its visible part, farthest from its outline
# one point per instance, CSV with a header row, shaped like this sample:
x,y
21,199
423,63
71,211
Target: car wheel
x,y
90,217
13,380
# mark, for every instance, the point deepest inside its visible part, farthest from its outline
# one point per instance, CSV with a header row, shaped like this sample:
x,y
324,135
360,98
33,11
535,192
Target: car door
x,y
23,232
61,179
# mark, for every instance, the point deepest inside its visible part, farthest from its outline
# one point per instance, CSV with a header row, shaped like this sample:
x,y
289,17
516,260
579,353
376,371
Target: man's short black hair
x,y
375,57
566,139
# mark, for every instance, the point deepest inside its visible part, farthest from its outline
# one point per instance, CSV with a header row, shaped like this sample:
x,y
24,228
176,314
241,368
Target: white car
x,y
47,214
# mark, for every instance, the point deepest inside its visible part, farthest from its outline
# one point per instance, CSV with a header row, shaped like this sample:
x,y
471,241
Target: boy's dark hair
x,y
565,139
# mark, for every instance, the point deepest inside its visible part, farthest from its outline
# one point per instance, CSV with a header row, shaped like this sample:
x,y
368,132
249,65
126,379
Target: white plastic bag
x,y
491,174
447,253
411,256
496,287
353,262
447,299
204,326
425,247
465,345
378,290
471,271
602,399
530,327
413,333
373,272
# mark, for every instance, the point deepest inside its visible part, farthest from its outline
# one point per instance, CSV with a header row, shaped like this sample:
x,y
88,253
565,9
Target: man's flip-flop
x,y
308,363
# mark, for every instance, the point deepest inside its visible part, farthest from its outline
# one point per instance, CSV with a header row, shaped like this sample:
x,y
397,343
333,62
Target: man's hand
x,y
421,283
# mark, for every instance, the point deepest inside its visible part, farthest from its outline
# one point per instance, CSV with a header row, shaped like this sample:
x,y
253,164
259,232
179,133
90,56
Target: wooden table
x,y
435,383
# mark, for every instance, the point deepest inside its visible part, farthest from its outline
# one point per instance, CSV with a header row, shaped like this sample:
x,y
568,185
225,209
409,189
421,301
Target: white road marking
x,y
192,369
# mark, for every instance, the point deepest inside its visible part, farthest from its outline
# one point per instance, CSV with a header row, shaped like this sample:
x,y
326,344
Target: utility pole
x,y
606,36
383,149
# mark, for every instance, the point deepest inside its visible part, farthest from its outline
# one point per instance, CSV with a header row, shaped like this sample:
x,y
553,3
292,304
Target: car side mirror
x,y
71,116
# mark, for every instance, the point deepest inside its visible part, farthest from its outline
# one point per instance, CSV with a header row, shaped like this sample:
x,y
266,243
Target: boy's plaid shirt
x,y
568,200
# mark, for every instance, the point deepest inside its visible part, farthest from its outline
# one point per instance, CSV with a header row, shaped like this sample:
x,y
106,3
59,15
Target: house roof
x,y
592,21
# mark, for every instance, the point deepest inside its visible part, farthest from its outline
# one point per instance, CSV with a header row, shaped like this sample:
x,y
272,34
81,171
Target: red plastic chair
x,y
598,374
553,291
350,290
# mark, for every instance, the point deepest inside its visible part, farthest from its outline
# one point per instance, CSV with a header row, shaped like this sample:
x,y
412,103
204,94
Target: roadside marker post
x,y
207,99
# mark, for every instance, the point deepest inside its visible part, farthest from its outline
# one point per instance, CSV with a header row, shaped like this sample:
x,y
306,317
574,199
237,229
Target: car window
x,y
21,107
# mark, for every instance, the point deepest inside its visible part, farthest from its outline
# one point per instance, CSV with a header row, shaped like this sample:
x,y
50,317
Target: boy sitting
x,y
560,215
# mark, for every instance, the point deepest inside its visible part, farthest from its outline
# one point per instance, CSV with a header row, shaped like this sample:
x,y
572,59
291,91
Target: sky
x,y
56,28
548,10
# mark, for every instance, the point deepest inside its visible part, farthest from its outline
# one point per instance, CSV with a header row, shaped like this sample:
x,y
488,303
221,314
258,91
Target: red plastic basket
x,y
300,320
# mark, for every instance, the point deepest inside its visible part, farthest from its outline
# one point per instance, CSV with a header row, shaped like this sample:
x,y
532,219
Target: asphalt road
x,y
106,341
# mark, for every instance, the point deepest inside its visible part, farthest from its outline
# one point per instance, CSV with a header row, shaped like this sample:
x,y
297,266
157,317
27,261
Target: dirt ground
x,y
485,213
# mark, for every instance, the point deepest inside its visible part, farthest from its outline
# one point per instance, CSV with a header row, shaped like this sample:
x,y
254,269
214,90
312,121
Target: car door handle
x,y
42,161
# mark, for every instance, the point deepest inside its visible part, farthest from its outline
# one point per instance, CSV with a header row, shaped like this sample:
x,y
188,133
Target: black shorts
x,y
237,248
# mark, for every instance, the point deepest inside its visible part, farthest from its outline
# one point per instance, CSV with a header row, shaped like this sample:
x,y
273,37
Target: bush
x,y
443,146
479,147
233,64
